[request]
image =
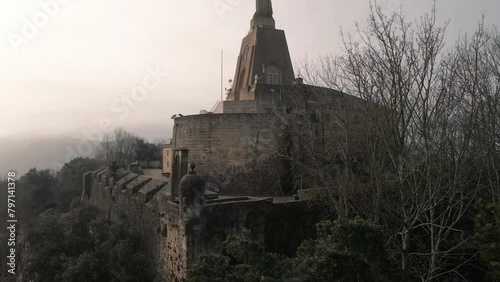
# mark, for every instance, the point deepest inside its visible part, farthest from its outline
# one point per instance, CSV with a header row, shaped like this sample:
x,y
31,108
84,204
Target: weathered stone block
x,y
133,187
150,189
100,174
173,209
120,174
122,183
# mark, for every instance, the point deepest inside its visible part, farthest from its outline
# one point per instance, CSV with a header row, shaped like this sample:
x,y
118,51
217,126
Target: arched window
x,y
242,79
273,75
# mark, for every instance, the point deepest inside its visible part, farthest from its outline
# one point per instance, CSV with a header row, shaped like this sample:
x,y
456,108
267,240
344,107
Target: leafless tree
x,y
430,132
403,68
119,146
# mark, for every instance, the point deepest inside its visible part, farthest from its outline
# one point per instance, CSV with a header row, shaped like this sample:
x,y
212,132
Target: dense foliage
x,y
148,151
63,240
343,251
242,259
83,246
125,148
42,189
488,237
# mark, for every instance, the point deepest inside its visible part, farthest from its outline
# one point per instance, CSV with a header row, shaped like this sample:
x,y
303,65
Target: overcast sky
x,y
68,68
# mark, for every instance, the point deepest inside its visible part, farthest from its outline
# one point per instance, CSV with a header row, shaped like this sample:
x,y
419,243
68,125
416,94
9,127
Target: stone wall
x,y
174,243
241,151
243,106
139,200
276,151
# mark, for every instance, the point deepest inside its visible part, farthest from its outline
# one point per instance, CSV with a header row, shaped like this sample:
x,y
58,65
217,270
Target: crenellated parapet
x,y
170,232
176,230
139,200
126,184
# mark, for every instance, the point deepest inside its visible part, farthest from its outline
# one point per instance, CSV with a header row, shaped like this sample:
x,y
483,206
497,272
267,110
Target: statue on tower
x,y
264,8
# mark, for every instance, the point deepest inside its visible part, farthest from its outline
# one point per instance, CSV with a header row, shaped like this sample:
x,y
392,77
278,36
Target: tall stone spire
x,y
264,8
264,59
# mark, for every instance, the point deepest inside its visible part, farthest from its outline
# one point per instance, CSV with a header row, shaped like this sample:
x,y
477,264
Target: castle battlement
x,y
174,242
242,152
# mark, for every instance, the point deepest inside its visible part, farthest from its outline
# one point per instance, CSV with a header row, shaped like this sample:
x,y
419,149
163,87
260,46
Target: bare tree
x,y
119,147
417,149
429,130
437,128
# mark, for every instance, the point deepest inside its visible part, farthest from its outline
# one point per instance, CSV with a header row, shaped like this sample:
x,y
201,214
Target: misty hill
x,y
22,153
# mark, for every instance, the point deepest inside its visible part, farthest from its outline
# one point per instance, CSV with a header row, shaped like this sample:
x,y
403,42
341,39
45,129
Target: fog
x,y
67,67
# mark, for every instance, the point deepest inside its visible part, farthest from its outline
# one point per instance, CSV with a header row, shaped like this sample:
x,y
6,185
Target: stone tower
x,y
264,57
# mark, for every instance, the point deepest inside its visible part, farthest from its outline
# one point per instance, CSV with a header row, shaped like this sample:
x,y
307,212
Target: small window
x,y
273,75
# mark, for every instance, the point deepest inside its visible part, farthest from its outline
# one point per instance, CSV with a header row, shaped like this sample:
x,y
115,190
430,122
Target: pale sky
x,y
76,60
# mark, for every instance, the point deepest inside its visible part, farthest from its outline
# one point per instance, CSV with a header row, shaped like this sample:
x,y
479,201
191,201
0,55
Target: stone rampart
x,y
242,151
174,243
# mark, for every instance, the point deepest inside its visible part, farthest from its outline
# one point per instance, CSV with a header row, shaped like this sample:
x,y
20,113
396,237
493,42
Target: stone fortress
x,y
229,169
